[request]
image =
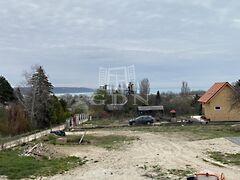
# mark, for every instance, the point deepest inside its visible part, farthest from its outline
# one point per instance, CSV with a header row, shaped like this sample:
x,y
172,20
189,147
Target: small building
x,y
114,107
217,104
151,110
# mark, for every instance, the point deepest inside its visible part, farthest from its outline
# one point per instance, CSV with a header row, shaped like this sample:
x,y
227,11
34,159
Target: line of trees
x,y
185,102
37,109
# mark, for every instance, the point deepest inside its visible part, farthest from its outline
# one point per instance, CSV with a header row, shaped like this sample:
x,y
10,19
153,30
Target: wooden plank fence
x,y
81,118
22,140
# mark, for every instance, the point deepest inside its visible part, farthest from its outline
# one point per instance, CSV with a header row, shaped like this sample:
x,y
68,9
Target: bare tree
x,y
235,99
27,74
185,90
144,87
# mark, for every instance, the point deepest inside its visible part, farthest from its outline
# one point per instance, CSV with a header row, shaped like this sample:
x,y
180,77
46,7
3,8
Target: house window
x,y
217,108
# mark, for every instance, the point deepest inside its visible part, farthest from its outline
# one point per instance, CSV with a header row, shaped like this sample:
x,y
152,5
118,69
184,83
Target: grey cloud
x,y
167,40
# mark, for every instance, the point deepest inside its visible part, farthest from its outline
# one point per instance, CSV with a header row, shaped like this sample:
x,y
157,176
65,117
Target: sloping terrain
x,y
168,151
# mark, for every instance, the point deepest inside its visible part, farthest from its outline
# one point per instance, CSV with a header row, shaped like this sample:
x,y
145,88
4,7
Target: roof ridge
x,y
213,91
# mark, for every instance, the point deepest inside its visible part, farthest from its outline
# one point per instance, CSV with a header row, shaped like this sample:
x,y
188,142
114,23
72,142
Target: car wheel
x,y
149,123
132,123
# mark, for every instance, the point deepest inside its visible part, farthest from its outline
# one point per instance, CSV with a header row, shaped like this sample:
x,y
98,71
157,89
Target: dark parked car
x,y
142,120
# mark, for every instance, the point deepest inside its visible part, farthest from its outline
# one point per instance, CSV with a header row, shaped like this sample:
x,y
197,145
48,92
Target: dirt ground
x,y
170,151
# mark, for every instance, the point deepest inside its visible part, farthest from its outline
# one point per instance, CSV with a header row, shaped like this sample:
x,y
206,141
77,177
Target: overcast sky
x,y
168,41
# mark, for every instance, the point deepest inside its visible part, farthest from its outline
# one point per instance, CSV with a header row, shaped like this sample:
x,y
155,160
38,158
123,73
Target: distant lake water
x,y
152,91
161,90
75,94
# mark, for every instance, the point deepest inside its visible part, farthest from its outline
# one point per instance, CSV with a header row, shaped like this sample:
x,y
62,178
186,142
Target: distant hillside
x,y
63,90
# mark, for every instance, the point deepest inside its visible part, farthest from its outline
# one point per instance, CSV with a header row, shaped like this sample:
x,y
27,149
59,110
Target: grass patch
x,y
109,142
181,172
194,132
157,172
227,158
16,167
213,163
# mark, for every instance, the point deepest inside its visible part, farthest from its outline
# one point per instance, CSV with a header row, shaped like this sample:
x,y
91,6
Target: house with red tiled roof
x,y
217,104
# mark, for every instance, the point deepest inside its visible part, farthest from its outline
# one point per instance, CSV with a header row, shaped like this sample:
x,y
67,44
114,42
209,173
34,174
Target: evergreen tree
x,y
56,111
196,105
63,104
158,99
40,99
6,91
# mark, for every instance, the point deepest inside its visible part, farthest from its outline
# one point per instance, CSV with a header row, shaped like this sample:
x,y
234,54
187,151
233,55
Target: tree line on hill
x,y
185,102
39,108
